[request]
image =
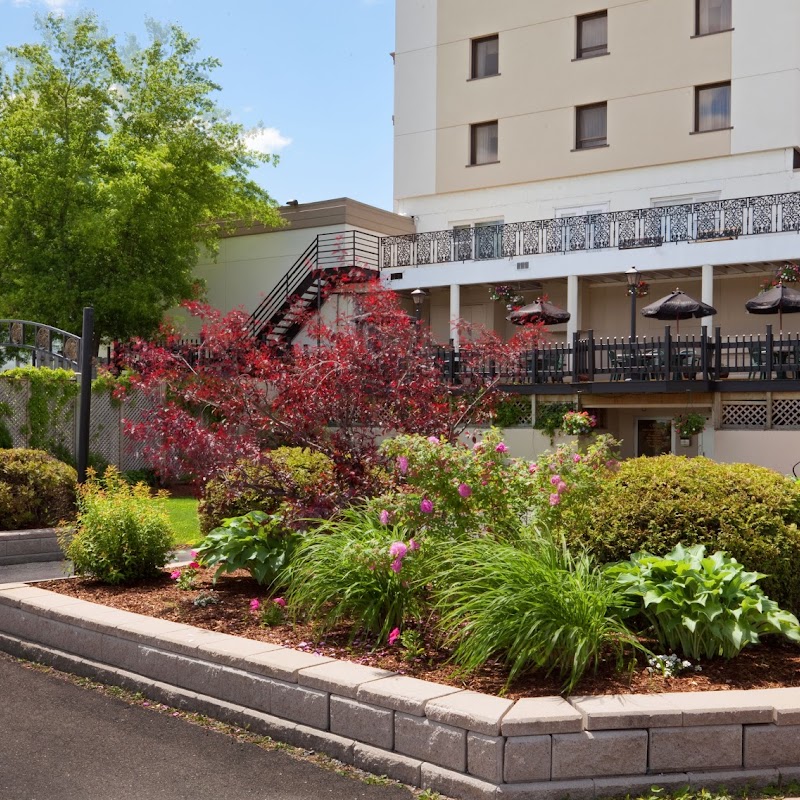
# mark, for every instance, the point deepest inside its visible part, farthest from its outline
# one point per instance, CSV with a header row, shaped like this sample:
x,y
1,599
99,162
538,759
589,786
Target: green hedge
x,y
750,512
36,490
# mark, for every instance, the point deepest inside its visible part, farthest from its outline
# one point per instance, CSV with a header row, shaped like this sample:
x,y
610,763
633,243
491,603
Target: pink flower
x,y
279,601
533,468
396,565
394,635
194,565
501,448
555,480
398,550
576,458
413,544
434,440
562,487
175,574
426,506
255,604
477,446
464,490
384,517
193,555
402,464
555,499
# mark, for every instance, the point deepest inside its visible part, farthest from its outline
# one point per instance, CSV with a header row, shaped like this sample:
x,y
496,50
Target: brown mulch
x,y
772,664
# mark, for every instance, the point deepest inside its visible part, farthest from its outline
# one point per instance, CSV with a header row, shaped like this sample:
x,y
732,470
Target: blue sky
x,y
316,75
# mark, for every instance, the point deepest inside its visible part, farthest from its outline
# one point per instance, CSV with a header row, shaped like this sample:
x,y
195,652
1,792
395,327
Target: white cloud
x,y
266,140
56,6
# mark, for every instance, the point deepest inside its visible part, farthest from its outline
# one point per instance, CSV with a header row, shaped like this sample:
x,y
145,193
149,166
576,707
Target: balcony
x,y
640,228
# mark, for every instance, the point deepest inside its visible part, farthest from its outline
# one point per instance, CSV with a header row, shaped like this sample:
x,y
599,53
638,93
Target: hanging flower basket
x,y
687,425
642,289
578,423
788,273
505,294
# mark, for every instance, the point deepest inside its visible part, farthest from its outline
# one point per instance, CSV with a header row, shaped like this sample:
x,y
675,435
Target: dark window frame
x,y
590,144
697,91
473,67
473,148
697,31
582,52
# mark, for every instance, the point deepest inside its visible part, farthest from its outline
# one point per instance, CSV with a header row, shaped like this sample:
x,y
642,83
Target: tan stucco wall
x,y
778,450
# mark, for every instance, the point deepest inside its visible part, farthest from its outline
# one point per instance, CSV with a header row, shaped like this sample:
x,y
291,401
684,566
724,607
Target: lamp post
x,y
418,296
632,276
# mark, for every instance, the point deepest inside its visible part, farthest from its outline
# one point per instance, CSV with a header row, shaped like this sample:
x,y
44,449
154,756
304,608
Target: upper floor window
x,y
592,35
713,16
590,126
712,107
483,143
485,57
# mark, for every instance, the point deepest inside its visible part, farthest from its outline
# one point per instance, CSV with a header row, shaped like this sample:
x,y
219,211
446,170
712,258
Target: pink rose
x,y
555,499
464,490
533,468
501,448
562,487
426,506
434,440
576,458
555,480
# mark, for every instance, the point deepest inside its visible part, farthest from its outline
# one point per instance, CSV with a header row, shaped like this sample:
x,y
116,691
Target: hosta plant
x,y
257,542
702,606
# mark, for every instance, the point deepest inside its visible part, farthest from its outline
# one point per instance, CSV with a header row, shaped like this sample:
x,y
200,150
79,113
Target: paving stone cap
x,y
283,663
340,677
403,693
474,711
534,715
620,711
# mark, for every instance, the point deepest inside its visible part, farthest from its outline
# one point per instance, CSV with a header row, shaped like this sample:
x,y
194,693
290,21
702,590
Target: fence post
x,y
84,409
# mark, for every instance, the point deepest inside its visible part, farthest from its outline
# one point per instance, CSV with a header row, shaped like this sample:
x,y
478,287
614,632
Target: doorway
x,y
653,437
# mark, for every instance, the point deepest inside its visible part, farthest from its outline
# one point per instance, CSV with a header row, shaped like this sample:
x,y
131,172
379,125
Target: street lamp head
x,y
418,296
632,276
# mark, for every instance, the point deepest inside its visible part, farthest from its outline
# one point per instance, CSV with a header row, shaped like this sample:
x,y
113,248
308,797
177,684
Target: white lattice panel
x,y
135,409
104,435
16,397
751,414
786,413
518,409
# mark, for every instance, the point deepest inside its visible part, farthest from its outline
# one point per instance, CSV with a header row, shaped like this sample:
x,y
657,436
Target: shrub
x,y
653,504
356,568
298,476
256,541
36,490
532,605
702,606
123,533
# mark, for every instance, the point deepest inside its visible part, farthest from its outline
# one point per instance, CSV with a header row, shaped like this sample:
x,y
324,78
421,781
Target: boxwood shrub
x,y
36,490
750,512
295,475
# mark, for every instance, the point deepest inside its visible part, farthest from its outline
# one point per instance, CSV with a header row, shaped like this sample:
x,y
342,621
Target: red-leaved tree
x,y
374,373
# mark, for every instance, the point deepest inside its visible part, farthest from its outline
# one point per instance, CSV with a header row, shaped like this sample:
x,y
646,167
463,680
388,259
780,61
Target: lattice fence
x,y
515,412
744,414
786,413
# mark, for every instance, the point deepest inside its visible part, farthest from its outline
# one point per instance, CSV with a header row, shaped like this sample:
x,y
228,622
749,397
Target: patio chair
x,y
758,361
616,364
551,365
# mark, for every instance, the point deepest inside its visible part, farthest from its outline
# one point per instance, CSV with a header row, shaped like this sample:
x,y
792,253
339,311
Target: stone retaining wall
x,y
460,743
22,547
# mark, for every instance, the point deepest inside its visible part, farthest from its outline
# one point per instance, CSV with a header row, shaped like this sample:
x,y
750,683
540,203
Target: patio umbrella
x,y
538,311
778,300
678,305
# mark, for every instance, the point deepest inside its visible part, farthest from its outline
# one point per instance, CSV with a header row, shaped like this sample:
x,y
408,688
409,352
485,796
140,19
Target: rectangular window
x,y
593,35
483,143
712,107
590,126
485,57
713,16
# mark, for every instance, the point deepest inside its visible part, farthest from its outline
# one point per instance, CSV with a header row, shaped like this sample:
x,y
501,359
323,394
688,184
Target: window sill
x,y
711,33
484,77
712,130
592,55
589,147
483,164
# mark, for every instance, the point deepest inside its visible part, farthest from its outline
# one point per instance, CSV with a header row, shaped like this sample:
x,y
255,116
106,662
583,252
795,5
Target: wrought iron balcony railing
x,y
644,227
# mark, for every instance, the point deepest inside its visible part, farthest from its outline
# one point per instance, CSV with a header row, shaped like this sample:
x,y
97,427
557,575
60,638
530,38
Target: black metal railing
x,y
644,227
31,343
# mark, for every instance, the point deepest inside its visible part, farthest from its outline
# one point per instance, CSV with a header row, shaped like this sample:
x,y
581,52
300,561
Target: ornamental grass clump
x,y
532,605
702,606
355,568
123,532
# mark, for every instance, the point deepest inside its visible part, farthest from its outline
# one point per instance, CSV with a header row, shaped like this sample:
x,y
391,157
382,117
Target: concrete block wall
x,y
460,743
22,547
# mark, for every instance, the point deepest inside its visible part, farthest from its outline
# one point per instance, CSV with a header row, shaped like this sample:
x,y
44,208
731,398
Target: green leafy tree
x,y
116,168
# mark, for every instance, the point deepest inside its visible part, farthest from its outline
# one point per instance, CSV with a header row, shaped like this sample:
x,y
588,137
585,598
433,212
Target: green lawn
x,y
183,516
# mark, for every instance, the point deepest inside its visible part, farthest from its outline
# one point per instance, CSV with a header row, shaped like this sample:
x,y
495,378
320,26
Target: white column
x,y
708,296
455,312
573,306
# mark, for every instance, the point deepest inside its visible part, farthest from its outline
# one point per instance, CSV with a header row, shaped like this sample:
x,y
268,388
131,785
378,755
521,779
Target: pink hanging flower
x,y
255,604
394,635
398,550
464,490
555,499
426,506
562,487
384,517
175,574
279,601
501,448
402,464
413,544
555,480
396,565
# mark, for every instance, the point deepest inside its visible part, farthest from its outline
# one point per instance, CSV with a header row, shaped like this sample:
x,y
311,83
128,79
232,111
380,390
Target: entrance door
x,y
653,437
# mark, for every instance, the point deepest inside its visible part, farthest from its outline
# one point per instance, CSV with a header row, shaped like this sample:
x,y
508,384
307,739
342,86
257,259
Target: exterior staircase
x,y
330,259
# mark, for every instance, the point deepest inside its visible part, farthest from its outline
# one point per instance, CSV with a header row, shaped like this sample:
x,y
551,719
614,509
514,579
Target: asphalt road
x,y
59,741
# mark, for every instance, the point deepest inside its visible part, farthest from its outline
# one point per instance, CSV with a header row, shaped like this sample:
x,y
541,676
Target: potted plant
x,y
578,423
689,424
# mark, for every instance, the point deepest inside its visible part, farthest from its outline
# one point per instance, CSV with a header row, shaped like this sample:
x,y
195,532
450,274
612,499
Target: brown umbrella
x,y
538,311
778,300
677,305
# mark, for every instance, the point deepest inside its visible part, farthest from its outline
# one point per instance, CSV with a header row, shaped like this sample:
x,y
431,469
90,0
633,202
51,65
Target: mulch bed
x,y
772,664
